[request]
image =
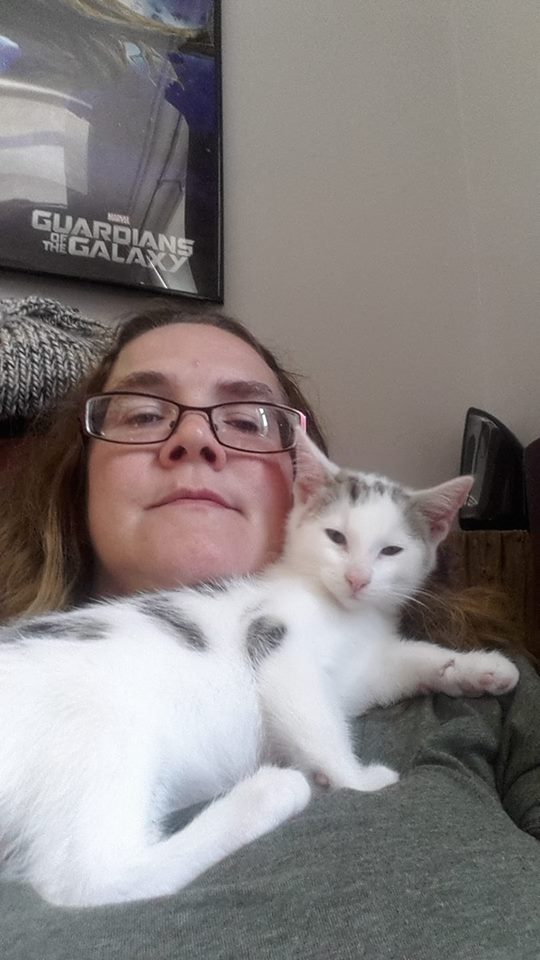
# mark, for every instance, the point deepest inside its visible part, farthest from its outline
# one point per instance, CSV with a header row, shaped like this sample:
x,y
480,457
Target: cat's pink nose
x,y
357,581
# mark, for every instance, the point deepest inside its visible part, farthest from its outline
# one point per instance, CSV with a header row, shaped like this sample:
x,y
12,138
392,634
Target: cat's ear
x,y
312,469
440,504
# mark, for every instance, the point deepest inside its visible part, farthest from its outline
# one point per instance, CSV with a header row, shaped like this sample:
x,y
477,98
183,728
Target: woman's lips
x,y
201,497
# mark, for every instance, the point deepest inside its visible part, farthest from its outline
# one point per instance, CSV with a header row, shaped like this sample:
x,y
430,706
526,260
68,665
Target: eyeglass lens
x,y
140,419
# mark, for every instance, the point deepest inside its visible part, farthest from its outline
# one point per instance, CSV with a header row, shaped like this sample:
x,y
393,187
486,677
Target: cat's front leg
x,y
417,667
474,674
365,778
306,726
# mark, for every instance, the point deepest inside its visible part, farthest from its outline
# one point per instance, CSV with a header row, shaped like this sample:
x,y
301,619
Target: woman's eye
x,y
142,419
243,425
390,551
336,537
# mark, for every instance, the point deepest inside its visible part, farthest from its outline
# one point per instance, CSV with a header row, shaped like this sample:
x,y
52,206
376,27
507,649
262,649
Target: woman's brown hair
x,y
45,554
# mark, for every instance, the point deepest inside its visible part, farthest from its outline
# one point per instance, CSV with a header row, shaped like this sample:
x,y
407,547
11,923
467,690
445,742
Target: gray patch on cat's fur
x,y
263,635
80,627
168,615
342,484
75,627
358,489
41,627
350,485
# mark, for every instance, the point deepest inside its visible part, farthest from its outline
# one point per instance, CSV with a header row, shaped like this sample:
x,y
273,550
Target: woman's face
x,y
146,530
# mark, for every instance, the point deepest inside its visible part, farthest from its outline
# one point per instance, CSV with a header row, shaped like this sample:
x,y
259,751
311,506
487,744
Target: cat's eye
x,y
390,551
336,537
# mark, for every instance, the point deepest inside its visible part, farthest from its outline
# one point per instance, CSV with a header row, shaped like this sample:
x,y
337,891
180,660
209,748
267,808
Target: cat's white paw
x,y
375,776
268,798
477,673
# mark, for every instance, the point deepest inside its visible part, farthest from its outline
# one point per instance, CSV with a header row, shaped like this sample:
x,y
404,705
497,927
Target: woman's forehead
x,y
183,351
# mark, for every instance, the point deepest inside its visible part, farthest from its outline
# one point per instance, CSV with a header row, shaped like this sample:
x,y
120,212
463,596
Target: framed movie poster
x,y
110,142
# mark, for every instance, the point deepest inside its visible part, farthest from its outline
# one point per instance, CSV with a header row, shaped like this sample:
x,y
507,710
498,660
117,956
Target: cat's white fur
x,y
102,738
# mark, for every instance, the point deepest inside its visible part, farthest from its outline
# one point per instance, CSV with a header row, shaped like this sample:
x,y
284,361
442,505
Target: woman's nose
x,y
193,439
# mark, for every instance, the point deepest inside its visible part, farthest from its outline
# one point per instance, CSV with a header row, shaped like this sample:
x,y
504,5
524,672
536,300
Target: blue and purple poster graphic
x,y
110,142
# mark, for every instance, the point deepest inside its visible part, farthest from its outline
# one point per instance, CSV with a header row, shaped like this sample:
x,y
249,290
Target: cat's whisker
x,y
406,598
415,600
438,600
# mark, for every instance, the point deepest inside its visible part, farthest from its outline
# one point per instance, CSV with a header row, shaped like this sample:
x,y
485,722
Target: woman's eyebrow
x,y
246,390
144,380
224,390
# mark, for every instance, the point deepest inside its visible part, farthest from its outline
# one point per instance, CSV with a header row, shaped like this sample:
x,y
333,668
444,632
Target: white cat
x,y
118,713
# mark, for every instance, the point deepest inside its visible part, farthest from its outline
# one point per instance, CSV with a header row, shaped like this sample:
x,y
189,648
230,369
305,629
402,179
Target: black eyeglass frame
x,y
182,408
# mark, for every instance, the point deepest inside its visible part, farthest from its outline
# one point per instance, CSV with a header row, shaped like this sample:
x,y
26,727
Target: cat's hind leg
x,y
120,868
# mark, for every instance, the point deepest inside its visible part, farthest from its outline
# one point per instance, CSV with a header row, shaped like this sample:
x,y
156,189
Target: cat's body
x,y
114,715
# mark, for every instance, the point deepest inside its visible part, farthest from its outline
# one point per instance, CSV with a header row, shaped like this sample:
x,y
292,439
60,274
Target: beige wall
x,y
382,216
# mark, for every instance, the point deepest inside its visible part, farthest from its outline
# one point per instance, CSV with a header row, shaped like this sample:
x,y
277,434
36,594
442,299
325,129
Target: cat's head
x,y
364,538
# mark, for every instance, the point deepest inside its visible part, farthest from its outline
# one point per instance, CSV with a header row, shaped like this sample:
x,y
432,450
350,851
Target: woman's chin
x,y
203,567
164,560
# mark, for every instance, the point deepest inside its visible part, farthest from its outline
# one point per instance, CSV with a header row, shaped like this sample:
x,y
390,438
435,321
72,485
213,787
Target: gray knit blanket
x,y
45,349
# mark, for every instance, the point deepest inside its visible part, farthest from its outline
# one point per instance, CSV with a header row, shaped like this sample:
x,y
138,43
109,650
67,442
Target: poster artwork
x,y
110,142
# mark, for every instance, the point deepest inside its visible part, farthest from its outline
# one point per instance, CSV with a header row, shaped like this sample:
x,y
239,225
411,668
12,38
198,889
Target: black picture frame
x,y
111,142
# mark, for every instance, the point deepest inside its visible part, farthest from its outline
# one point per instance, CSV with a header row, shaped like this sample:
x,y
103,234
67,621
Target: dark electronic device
x,y
492,453
532,481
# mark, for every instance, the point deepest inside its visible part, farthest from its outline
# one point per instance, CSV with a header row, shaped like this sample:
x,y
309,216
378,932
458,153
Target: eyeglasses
x,y
247,425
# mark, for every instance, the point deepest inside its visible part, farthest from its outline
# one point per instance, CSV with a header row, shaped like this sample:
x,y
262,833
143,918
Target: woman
x,y
76,487
446,865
